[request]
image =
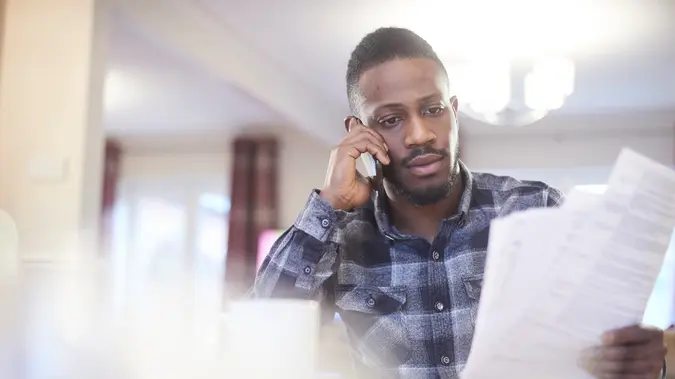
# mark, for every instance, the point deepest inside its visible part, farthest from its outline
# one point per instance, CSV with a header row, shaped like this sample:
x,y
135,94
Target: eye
x,y
433,111
390,122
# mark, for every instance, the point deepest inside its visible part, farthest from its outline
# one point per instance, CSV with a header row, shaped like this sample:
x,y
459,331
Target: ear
x,y
455,104
348,122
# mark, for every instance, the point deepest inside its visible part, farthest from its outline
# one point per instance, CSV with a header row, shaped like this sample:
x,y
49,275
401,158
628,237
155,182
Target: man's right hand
x,y
345,188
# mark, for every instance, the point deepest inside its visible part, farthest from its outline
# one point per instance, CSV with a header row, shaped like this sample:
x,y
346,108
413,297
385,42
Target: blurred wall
x,y
302,167
561,161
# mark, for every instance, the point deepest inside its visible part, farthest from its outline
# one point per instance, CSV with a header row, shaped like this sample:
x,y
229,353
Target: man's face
x,y
408,103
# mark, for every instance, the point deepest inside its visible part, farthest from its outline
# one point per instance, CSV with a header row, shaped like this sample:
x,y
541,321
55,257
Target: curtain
x,y
111,173
253,208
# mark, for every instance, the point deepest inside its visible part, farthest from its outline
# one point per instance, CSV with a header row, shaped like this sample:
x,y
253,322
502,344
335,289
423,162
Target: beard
x,y
422,197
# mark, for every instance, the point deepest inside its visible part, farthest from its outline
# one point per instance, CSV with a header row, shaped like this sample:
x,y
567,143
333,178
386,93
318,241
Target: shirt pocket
x,y
473,285
376,323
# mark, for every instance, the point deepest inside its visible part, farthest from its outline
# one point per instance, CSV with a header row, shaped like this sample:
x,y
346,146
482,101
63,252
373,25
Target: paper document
x,y
556,279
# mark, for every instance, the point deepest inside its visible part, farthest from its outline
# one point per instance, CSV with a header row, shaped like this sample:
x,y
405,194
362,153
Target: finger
x,y
368,134
629,366
631,352
377,136
617,361
637,367
378,150
356,128
367,144
624,376
371,147
631,335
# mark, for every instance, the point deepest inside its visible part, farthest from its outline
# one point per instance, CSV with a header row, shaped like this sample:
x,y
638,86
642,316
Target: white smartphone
x,y
373,166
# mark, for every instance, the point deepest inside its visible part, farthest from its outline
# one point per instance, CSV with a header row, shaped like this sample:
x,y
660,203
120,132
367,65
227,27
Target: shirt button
x,y
436,255
445,360
439,306
325,223
370,302
308,270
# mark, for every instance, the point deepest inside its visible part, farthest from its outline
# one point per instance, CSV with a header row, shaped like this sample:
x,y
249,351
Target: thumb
x,y
368,180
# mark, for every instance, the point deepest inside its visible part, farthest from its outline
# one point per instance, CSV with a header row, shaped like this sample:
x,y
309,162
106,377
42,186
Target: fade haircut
x,y
381,46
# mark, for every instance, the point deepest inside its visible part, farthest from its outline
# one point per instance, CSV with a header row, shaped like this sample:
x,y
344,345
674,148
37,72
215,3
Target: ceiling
x,y
152,90
204,65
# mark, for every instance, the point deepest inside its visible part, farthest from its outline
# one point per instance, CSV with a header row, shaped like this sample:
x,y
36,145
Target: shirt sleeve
x,y
301,262
554,197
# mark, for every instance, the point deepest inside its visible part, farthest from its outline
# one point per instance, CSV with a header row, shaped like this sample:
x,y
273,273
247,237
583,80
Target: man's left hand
x,y
634,352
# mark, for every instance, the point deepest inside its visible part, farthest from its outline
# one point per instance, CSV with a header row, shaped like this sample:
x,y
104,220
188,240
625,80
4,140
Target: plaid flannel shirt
x,y
409,306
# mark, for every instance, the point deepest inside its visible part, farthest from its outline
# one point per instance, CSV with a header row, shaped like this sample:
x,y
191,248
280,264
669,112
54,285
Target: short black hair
x,y
381,46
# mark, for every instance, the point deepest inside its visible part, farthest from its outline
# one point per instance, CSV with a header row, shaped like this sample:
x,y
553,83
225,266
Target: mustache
x,y
423,150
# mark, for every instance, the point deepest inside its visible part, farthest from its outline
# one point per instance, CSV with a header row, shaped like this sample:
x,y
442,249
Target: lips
x,y
425,165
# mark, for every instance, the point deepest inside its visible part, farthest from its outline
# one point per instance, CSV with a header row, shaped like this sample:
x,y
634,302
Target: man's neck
x,y
424,221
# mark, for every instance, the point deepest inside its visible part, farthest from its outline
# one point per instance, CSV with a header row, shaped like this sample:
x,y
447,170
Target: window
x,y
660,310
212,211
210,248
166,230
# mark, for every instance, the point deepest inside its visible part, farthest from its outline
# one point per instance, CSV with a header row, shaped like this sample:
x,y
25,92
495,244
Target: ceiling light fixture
x,y
501,92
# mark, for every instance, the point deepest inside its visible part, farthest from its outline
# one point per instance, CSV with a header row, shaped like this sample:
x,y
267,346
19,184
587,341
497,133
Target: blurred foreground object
x,y
9,243
272,339
59,320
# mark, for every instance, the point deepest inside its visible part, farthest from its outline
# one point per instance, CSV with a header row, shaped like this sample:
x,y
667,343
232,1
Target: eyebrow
x,y
425,99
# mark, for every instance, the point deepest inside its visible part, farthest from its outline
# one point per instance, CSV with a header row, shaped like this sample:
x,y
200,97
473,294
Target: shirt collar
x,y
381,206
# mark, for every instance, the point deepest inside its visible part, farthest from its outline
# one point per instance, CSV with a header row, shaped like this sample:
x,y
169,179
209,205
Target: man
x,y
402,262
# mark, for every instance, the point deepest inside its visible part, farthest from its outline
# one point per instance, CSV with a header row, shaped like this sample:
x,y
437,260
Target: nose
x,y
418,133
